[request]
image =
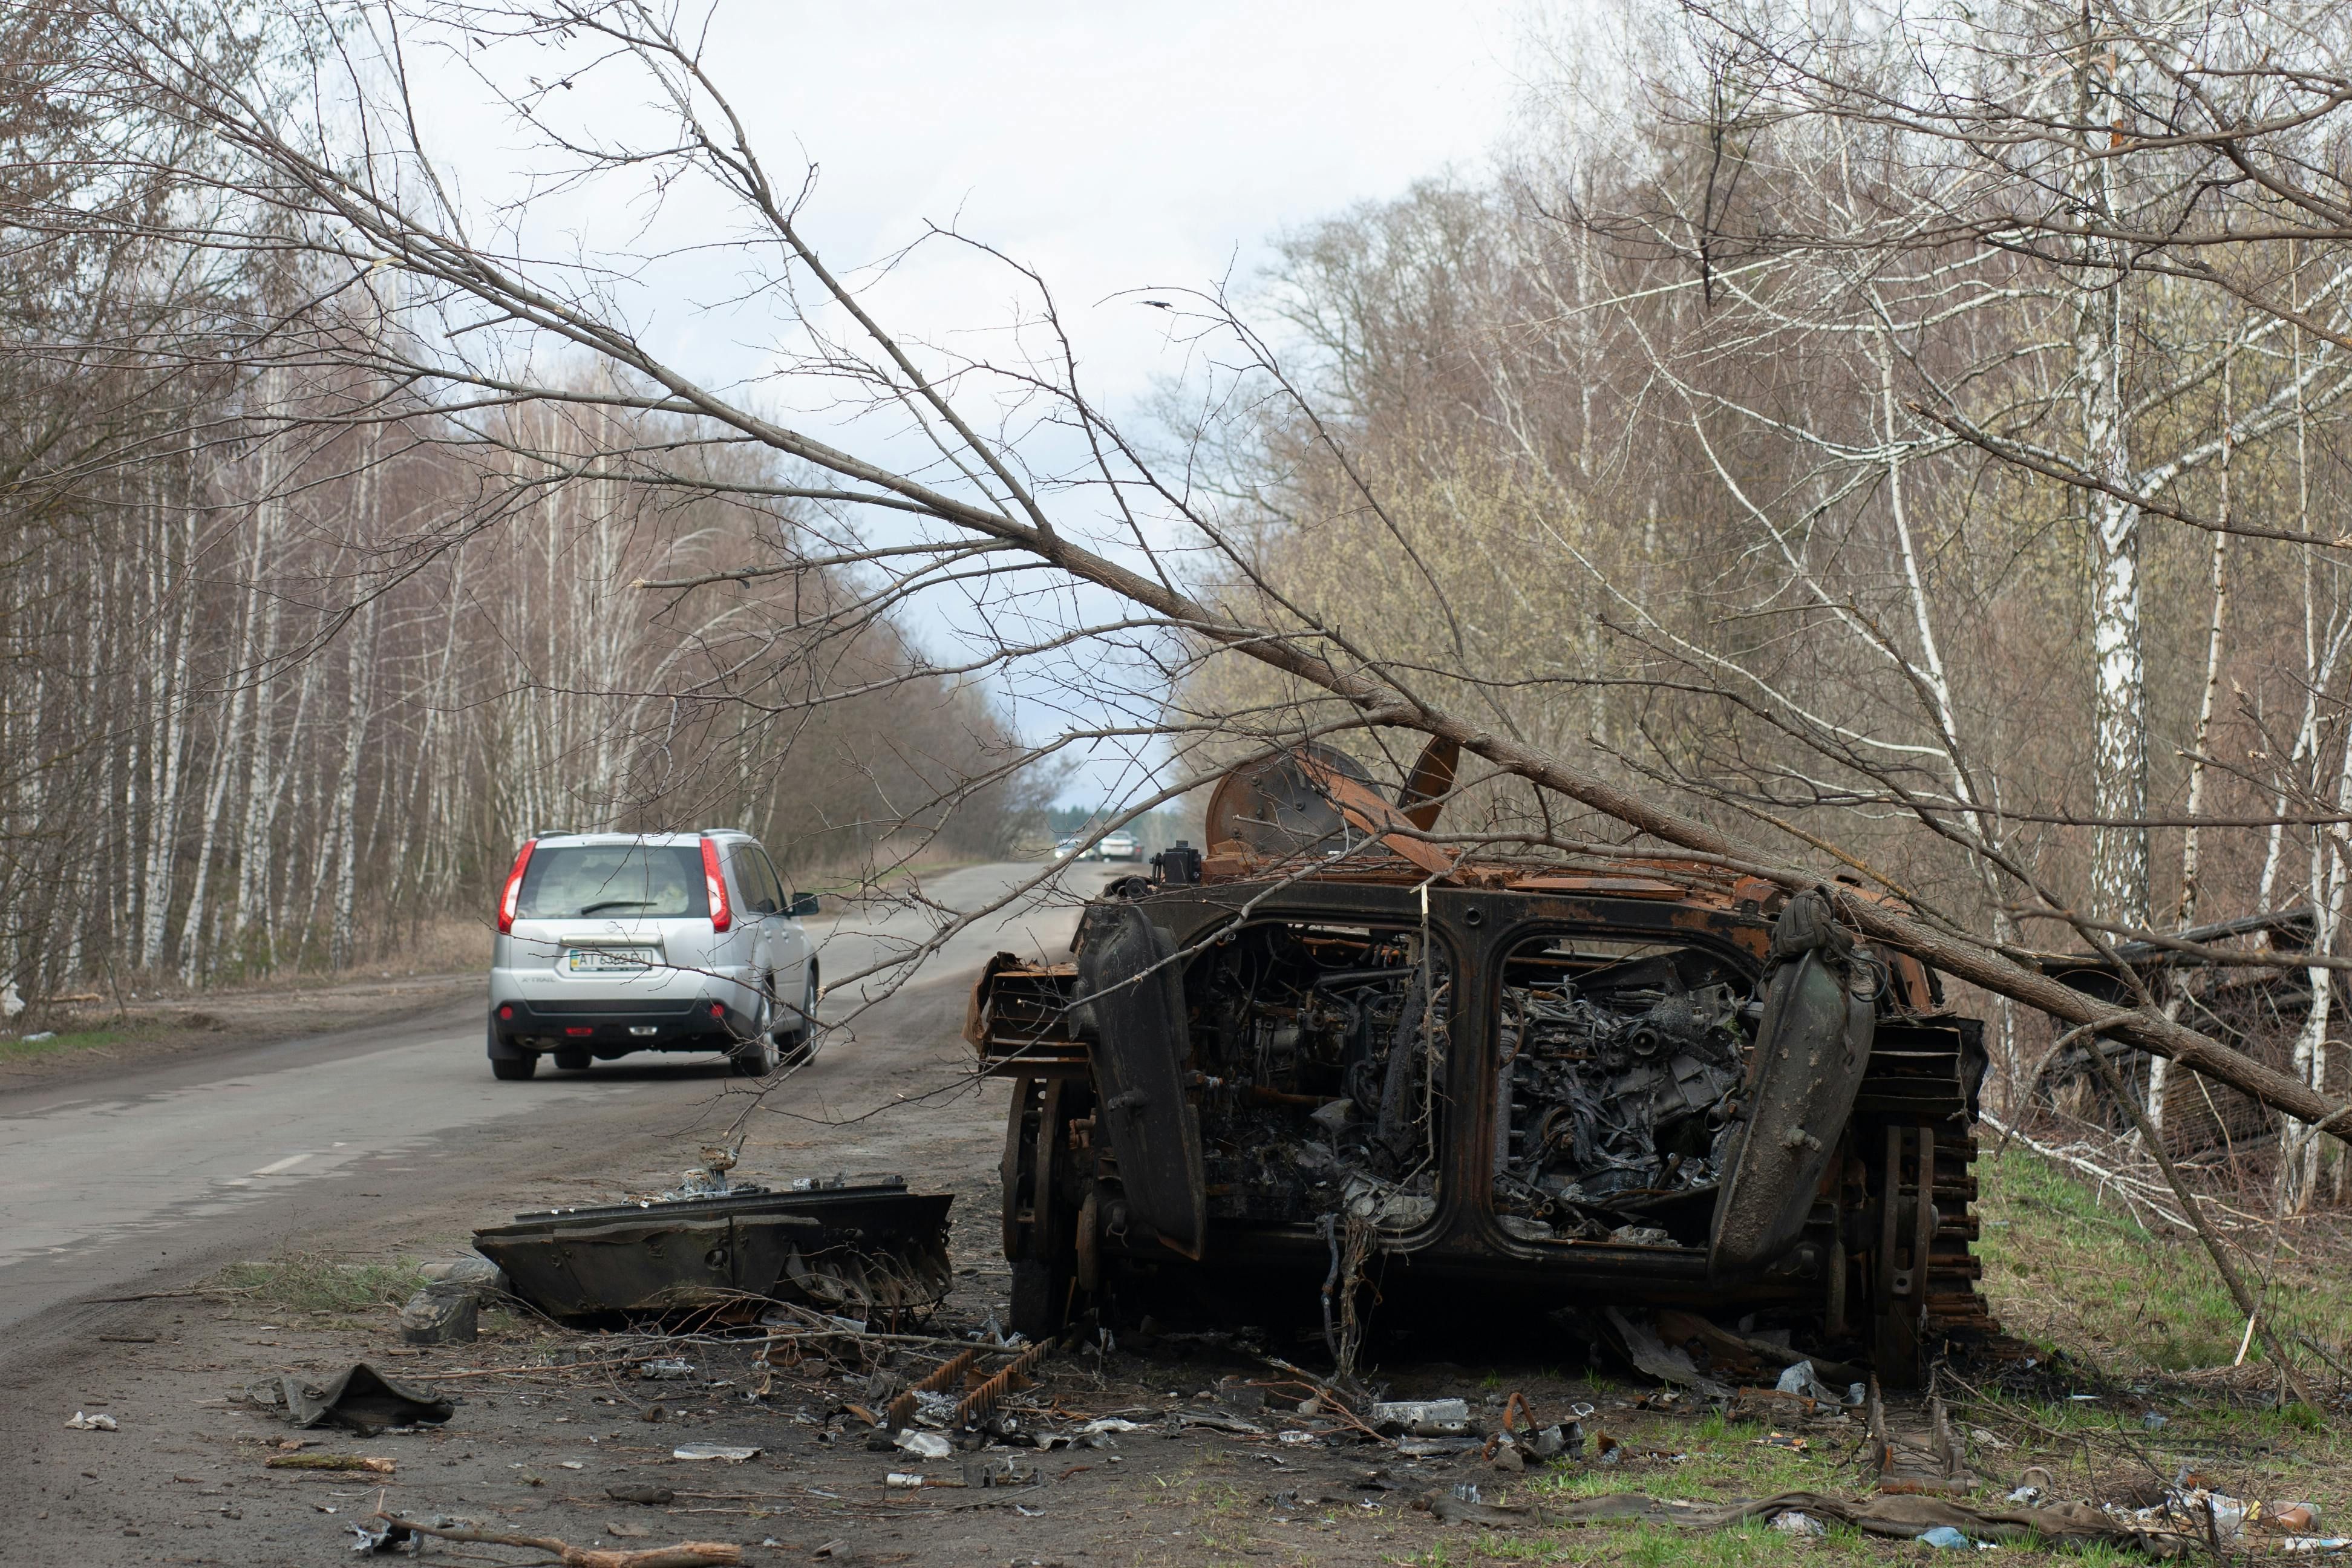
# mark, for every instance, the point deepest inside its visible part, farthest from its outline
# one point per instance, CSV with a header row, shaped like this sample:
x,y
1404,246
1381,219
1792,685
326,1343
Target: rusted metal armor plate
x,y
1129,981
1812,1048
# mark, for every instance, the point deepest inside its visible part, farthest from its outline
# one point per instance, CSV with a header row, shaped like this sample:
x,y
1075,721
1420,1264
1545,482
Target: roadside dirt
x,y
180,1028
548,1419
534,1446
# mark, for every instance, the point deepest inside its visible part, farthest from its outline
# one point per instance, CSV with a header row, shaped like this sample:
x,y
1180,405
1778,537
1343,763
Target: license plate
x,y
609,960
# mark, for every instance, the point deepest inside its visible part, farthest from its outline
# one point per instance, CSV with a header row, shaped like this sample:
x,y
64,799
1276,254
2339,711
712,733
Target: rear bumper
x,y
614,1028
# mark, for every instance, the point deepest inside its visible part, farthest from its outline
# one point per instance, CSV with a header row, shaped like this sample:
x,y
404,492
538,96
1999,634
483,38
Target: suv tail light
x,y
514,887
721,917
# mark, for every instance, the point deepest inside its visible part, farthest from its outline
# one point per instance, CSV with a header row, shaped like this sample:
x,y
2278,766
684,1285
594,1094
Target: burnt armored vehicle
x,y
1612,1081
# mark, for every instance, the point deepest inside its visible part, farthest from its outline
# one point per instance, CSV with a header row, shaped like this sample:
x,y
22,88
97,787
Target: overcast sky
x,y
1108,147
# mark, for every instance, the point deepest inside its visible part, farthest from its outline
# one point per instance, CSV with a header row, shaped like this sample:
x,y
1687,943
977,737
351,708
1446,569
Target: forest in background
x,y
1888,449
285,675
1757,431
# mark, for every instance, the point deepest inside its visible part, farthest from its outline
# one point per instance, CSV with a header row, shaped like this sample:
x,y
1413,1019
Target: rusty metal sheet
x,y
1422,799
1021,1020
1275,808
1361,806
1299,806
1812,1048
1128,979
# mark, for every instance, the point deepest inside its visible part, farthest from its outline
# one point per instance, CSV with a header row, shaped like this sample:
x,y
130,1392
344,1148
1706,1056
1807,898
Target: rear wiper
x,y
616,904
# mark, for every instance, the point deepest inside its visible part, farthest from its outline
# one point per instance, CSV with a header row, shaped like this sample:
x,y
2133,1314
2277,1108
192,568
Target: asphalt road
x,y
397,1135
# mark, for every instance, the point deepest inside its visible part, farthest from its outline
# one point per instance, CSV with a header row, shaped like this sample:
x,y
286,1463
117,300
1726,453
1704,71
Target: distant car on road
x,y
1073,849
614,943
1119,846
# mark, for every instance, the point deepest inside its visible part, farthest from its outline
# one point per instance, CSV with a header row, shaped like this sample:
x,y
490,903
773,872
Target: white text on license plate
x,y
608,960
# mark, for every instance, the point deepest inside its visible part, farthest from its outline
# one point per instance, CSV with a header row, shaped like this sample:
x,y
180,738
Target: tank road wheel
x,y
1042,1200
1904,1226
1089,1244
1898,1283
1919,1273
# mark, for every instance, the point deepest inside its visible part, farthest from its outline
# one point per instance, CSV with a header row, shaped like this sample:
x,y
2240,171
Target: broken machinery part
x,y
863,1248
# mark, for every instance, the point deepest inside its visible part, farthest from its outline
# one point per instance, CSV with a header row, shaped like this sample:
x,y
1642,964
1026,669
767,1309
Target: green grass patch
x,y
2072,1273
19,1050
1721,1458
1661,1546
309,1282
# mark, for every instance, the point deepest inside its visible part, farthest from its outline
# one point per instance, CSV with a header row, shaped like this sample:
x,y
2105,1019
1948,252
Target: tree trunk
x,y
2119,848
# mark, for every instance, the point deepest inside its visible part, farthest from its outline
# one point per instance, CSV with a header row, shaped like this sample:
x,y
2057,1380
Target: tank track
x,y
1917,1106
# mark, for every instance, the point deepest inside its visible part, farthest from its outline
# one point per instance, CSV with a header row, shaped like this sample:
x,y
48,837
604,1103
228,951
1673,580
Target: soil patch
x,y
1213,1452
94,1042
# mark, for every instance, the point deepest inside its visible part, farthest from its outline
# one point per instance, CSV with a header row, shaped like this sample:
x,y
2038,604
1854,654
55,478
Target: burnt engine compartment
x,y
1324,1051
1322,1054
1617,1099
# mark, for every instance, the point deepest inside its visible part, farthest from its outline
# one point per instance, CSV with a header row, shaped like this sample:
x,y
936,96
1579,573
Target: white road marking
x,y
274,1166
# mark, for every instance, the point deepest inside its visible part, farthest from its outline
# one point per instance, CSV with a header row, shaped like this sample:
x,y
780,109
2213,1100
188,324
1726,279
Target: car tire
x,y
800,1044
759,1056
510,1063
573,1061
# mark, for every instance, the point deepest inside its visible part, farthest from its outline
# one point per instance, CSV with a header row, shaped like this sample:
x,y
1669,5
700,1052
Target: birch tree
x,y
364,209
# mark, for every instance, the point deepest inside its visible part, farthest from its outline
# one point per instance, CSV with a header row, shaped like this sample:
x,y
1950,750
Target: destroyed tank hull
x,y
1604,1085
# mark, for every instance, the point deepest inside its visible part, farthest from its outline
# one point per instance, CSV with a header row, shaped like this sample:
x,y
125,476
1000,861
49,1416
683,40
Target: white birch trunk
x,y
360,676
2119,849
261,783
2216,643
193,956
170,754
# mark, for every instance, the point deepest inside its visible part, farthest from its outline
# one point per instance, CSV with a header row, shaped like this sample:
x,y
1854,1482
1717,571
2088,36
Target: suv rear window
x,y
622,880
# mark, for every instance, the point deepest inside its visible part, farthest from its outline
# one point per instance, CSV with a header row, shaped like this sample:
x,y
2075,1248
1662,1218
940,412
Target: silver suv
x,y
614,943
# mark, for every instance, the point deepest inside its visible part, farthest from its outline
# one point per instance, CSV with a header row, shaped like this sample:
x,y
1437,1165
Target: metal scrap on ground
x,y
862,1247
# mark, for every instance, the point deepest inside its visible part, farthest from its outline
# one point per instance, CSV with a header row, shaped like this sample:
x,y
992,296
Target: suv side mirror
x,y
803,904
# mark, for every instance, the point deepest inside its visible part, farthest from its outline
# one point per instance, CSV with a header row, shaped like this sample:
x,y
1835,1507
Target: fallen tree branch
x,y
685,1554
327,1462
533,1371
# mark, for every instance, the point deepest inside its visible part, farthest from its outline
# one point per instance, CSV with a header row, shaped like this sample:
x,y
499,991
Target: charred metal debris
x,y
2256,1005
859,1249
1327,1047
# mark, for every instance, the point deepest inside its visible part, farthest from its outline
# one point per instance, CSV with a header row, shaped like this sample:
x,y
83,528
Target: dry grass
x,y
452,944
313,1282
